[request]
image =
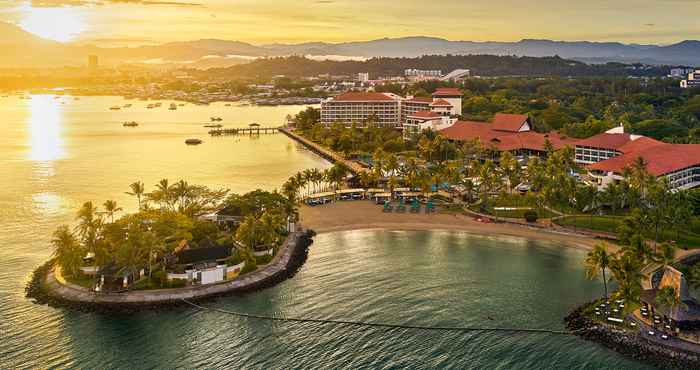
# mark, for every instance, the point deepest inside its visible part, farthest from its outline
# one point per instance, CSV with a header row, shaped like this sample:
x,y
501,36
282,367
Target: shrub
x,y
530,215
177,283
249,266
263,260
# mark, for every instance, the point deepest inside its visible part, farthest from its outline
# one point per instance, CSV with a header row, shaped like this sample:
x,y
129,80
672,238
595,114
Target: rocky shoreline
x,y
40,293
630,344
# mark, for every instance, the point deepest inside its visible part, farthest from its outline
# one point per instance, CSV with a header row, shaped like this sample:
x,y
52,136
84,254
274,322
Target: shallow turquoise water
x,y
54,156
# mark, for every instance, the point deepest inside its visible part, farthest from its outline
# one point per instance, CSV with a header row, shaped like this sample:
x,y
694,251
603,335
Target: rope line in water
x,y
380,325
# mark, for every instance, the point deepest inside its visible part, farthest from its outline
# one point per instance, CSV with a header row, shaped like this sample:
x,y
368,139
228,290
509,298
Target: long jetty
x,y
254,130
326,153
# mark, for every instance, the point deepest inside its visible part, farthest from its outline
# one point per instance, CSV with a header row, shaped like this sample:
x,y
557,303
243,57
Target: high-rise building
x,y
363,77
93,62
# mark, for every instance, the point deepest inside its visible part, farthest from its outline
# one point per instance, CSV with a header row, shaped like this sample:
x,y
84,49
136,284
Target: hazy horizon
x,y
140,22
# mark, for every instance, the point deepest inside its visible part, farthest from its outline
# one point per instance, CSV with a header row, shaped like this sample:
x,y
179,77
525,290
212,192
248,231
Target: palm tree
x,y
111,208
137,190
598,260
668,298
67,251
627,272
667,253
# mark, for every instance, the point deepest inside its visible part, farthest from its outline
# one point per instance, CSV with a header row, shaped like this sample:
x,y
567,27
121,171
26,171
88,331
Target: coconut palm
x,y
626,270
67,251
668,298
111,208
137,189
598,260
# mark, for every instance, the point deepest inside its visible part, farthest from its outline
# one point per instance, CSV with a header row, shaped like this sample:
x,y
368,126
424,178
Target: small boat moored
x,y
130,124
193,141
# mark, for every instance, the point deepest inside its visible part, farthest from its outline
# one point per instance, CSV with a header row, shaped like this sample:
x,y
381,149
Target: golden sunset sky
x,y
135,22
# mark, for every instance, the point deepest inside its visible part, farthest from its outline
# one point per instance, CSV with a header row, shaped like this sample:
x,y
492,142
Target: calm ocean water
x,y
54,156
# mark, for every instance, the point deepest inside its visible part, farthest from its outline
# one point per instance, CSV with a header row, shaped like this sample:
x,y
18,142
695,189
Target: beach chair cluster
x,y
333,196
402,206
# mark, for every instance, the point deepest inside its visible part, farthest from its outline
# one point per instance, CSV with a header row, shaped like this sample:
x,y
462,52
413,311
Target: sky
x,y
137,22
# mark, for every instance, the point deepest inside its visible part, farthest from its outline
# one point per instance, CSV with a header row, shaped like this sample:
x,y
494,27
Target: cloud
x,y
59,3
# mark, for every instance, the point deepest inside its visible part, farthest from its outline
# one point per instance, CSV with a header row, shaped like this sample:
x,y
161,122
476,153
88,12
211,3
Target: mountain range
x,y
23,49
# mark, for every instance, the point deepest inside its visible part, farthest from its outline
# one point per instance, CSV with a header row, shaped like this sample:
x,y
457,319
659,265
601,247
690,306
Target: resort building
x,y
452,96
506,132
416,122
692,81
607,155
383,109
390,110
685,315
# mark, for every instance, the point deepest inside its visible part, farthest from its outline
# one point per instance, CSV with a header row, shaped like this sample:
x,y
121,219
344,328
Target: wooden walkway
x,y
244,130
57,287
355,167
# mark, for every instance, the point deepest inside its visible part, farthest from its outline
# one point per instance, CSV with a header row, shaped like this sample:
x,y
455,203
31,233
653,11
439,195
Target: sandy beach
x,y
356,215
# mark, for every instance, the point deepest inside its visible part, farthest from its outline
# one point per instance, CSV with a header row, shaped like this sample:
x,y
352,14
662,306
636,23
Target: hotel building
x,y
413,114
692,81
607,155
383,109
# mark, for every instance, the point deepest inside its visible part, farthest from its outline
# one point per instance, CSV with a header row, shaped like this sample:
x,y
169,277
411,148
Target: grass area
x,y
84,281
630,307
609,224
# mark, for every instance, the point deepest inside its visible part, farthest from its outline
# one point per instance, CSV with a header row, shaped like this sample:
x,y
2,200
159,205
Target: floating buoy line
x,y
379,325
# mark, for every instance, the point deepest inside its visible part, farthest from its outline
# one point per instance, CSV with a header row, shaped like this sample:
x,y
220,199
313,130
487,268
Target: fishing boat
x,y
127,105
193,141
218,125
149,106
116,107
130,124
158,105
216,119
173,106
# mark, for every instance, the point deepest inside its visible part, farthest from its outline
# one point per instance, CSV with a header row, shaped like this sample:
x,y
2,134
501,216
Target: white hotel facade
x,y
412,114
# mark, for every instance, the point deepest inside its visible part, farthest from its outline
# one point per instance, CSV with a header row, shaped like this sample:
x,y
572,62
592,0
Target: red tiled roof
x,y
447,91
509,122
362,96
503,140
424,114
661,159
640,143
420,99
441,103
605,141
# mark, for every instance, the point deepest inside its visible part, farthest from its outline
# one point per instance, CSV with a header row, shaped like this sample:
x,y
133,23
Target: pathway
x,y
75,293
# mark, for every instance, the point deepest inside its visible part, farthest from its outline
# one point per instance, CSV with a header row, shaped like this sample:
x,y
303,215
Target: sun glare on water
x,y
60,24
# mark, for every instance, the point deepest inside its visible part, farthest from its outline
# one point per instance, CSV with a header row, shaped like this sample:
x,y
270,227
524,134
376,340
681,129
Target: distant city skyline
x,y
137,22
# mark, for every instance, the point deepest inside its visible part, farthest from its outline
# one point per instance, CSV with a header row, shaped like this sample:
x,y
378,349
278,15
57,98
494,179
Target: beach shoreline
x,y
364,215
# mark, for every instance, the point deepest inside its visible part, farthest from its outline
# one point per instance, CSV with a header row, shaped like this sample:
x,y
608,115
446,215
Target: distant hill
x,y
483,65
21,48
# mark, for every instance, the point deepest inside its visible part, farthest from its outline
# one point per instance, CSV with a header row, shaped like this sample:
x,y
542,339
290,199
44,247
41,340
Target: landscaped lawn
x,y
610,224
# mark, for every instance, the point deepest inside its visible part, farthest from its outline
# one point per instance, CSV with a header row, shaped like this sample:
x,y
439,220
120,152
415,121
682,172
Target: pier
x,y
326,153
251,130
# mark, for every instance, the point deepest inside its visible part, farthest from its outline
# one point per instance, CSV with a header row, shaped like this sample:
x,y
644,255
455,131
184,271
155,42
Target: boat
x,y
130,124
173,106
158,105
116,107
216,119
214,126
149,106
193,141
182,104
127,105
227,104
